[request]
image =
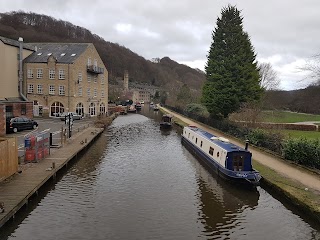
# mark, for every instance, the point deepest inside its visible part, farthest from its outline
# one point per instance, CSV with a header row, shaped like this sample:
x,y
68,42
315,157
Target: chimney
x,y
247,144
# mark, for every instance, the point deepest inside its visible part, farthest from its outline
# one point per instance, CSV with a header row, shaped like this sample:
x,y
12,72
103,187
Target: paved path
x,y
308,179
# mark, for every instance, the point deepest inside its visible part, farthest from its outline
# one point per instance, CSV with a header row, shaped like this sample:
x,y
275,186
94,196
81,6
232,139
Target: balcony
x,y
95,69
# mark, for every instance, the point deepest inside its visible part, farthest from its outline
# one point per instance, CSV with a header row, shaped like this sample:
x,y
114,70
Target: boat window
x,y
218,154
238,162
189,135
196,140
201,144
211,150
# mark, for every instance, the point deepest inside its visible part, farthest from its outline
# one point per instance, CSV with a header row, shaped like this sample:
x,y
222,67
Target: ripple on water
x,y
137,182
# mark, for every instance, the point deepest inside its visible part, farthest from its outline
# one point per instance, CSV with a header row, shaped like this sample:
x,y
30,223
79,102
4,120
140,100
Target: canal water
x,y
137,182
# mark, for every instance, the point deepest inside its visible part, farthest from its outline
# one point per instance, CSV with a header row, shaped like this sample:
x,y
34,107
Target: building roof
x,y
62,52
15,43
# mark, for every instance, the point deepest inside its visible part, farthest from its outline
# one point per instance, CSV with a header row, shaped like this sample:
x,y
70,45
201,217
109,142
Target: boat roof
x,y
220,141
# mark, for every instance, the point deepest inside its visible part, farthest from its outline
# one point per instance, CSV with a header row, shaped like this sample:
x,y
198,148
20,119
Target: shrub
x,y
302,151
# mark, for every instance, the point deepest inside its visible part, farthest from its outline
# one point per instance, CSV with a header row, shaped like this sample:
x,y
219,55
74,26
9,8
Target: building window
x,y
95,92
102,79
56,109
80,92
102,108
89,78
23,109
30,88
39,89
62,91
79,78
80,109
95,79
89,61
102,93
51,74
62,74
30,73
88,92
39,73
51,89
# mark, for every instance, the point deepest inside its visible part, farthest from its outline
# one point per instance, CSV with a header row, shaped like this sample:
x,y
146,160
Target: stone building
x,y
66,77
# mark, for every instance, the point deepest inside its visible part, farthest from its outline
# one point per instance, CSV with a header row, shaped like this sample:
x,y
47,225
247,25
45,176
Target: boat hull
x,y
251,178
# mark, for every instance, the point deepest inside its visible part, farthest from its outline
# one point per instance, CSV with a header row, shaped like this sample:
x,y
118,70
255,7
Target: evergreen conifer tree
x,y
231,71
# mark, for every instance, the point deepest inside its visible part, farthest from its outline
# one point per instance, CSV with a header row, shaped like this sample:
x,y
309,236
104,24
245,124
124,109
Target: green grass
x,y
301,134
288,117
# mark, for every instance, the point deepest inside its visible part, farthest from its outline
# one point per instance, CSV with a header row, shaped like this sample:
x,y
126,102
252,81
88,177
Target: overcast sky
x,y
284,33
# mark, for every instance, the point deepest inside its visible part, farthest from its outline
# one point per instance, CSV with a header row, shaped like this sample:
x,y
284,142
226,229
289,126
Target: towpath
x,y
307,178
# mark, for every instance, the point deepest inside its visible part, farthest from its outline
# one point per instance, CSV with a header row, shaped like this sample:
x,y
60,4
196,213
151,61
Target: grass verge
x,y
288,117
293,192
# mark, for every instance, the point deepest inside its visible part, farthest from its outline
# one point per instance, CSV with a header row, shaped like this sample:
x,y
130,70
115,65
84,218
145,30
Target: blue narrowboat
x,y
228,160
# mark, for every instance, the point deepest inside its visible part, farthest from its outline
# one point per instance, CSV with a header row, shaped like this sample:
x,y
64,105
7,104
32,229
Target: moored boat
x,y
228,160
166,121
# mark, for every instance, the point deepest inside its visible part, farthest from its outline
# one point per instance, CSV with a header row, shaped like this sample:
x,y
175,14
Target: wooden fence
x,y
8,157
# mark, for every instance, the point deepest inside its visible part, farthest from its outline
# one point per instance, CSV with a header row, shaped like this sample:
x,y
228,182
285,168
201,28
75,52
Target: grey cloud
x,y
183,28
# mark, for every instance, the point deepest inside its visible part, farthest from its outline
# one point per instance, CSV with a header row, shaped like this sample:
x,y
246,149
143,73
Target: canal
x,y
137,182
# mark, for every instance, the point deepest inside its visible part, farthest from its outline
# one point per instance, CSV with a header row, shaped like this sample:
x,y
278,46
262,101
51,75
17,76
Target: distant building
x,y
66,77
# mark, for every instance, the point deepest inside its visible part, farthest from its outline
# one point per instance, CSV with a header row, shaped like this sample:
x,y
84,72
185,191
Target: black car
x,y
20,123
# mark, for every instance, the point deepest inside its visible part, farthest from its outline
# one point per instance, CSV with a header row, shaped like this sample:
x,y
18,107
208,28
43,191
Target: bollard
x,y
50,139
53,165
85,140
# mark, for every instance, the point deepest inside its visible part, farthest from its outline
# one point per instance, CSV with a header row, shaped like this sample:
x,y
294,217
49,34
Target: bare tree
x,y
312,66
268,77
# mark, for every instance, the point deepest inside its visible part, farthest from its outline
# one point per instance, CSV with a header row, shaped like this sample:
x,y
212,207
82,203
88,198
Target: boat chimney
x,y
247,144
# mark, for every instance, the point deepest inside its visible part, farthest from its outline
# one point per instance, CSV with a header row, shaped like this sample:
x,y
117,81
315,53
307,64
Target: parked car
x,y
75,116
16,124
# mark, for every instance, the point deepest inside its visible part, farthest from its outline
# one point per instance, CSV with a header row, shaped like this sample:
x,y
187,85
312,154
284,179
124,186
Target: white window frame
x,y
62,91
88,92
79,77
52,74
95,80
51,90
102,80
39,89
30,88
30,73
89,78
39,73
80,92
89,61
102,93
62,74
95,92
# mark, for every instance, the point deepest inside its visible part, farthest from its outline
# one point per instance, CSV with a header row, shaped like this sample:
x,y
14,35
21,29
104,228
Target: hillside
x,y
166,73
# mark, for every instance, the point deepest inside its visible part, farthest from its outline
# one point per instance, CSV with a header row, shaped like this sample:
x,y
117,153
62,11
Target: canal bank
x,y
16,191
297,186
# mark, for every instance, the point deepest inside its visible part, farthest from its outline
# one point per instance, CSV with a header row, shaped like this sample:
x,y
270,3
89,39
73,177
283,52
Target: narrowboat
x,y
228,160
166,121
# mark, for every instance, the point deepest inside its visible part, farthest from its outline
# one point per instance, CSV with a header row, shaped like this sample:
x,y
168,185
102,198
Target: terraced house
x,y
66,77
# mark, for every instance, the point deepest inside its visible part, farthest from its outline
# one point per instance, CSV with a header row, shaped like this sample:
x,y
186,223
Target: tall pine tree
x,y
231,70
